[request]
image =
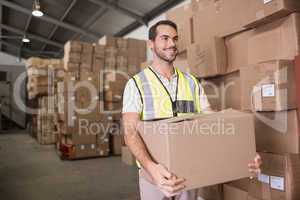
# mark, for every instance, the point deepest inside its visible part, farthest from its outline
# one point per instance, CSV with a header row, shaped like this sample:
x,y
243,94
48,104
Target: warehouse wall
x,y
6,59
13,69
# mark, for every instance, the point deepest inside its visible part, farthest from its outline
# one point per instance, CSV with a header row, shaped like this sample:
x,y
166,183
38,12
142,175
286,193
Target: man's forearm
x,y
137,147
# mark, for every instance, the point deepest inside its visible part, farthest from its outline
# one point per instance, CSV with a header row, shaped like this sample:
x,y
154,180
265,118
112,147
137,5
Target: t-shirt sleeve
x,y
131,98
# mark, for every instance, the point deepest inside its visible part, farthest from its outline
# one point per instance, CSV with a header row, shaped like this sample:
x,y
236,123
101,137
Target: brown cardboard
x,y
113,106
199,5
220,14
86,151
233,193
223,92
237,50
99,51
98,64
181,63
127,156
115,76
173,142
232,91
108,41
182,16
279,178
73,46
261,12
277,132
286,34
213,192
137,48
297,79
212,88
208,58
117,142
269,86
86,58
87,48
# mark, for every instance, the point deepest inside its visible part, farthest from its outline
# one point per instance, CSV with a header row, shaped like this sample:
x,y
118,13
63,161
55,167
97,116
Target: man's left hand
x,y
254,167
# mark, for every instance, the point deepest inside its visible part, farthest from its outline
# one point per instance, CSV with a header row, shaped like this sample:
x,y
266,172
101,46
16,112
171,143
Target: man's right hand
x,y
167,182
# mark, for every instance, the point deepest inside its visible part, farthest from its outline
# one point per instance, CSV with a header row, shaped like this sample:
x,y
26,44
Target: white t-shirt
x,y
132,99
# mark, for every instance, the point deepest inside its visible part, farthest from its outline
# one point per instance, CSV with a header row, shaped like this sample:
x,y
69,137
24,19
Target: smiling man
x,y
157,92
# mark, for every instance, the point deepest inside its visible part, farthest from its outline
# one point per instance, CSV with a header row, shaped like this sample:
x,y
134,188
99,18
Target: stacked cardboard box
x,y
82,127
123,58
91,94
45,121
246,61
124,55
81,56
40,74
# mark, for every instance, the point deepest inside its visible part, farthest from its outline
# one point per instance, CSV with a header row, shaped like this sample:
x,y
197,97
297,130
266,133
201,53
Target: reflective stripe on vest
x,y
157,102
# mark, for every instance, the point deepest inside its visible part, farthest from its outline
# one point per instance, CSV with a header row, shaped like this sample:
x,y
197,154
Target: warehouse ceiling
x,y
63,20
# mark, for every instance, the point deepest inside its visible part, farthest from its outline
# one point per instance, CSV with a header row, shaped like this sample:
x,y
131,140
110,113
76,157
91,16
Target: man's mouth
x,y
172,49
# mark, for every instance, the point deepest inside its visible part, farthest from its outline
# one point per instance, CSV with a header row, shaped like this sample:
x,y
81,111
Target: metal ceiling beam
x,y
16,47
49,19
125,11
89,23
25,33
61,19
33,36
149,16
32,53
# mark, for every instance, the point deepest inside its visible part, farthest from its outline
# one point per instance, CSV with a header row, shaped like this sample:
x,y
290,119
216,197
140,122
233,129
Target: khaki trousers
x,y
148,191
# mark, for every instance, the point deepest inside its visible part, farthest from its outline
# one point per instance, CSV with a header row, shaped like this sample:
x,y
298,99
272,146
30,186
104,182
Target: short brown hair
x,y
153,29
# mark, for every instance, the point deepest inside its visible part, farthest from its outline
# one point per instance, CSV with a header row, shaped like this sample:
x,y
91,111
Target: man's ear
x,y
150,44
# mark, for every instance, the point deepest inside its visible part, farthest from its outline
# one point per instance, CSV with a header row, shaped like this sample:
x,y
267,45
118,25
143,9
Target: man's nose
x,y
172,43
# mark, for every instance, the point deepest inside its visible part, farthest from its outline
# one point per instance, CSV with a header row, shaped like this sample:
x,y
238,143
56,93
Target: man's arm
x,y
168,183
134,141
159,175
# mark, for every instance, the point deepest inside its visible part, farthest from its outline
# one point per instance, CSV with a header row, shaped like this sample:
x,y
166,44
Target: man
x,y
162,91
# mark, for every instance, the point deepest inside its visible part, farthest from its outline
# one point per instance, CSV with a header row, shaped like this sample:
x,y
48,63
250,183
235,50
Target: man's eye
x,y
165,38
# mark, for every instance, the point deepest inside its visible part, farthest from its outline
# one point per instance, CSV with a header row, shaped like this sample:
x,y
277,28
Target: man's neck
x,y
164,68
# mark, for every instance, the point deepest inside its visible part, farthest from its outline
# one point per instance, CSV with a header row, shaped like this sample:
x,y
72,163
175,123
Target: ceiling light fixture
x,y
25,39
36,10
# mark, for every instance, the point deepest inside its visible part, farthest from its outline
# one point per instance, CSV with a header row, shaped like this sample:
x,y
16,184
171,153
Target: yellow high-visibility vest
x,y
156,100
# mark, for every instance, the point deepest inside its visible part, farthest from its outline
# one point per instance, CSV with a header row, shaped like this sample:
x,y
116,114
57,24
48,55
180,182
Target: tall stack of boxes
x,y
45,121
89,98
123,58
80,122
243,52
42,75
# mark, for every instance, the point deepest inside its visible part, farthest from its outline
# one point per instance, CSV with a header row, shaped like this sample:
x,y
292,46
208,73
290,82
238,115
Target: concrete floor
x,y
29,171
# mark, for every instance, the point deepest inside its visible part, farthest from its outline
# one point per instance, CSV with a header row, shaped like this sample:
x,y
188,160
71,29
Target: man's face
x,y
165,43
